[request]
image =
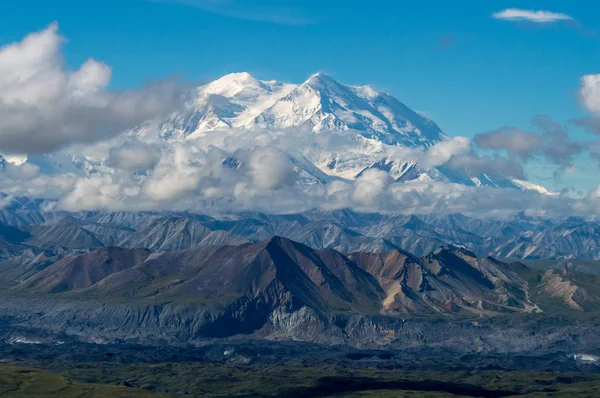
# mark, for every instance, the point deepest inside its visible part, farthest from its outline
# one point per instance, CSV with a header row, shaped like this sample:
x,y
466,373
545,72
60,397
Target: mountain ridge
x,y
279,289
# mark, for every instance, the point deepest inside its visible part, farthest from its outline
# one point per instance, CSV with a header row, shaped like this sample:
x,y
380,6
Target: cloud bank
x,y
210,179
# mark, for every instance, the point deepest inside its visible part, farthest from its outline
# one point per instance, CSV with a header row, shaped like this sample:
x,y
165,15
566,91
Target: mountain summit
x,y
239,100
329,131
359,128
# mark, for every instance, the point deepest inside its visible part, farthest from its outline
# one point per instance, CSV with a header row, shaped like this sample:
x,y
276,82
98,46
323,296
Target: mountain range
x,y
279,289
344,277
27,229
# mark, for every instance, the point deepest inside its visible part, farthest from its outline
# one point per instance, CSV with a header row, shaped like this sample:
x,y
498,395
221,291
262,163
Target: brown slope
x,y
82,271
341,282
402,277
566,289
447,280
231,290
277,271
482,285
323,280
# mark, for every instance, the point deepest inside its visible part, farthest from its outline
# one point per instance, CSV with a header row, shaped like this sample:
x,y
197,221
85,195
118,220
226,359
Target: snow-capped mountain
x,y
368,122
239,100
329,131
322,103
232,101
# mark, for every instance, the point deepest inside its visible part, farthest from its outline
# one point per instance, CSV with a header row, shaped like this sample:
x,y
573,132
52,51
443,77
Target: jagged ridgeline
x,y
27,230
281,289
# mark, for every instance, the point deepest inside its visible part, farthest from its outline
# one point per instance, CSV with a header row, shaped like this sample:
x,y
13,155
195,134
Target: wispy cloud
x,y
251,10
535,16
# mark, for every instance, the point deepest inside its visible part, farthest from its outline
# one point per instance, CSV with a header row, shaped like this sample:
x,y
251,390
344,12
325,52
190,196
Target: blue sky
x,y
468,71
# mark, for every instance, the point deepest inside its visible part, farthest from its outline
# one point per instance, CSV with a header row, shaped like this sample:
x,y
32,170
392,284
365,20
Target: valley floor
x,y
106,379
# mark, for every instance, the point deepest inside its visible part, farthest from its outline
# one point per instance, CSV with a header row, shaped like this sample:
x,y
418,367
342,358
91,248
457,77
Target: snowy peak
x,y
321,103
242,88
232,84
324,83
231,101
239,100
370,122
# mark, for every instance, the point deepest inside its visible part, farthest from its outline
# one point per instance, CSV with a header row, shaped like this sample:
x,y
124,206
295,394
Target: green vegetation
x,y
32,383
213,380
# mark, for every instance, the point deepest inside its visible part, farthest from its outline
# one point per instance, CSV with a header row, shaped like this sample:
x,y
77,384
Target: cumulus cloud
x,y
178,173
191,179
589,97
99,192
370,186
514,141
558,146
270,168
243,173
134,156
589,93
552,142
183,176
440,153
24,172
535,16
590,124
44,107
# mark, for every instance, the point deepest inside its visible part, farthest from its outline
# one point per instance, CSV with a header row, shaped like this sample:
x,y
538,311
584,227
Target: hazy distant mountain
x,y
64,232
518,237
178,233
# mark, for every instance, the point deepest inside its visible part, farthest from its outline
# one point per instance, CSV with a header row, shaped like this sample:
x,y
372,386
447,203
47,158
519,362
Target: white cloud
x,y
552,143
134,156
187,178
589,93
270,168
536,16
44,107
178,174
516,142
440,153
99,192
370,186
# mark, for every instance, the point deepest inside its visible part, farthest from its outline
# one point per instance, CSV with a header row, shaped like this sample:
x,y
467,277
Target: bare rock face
x,y
279,289
446,281
76,273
